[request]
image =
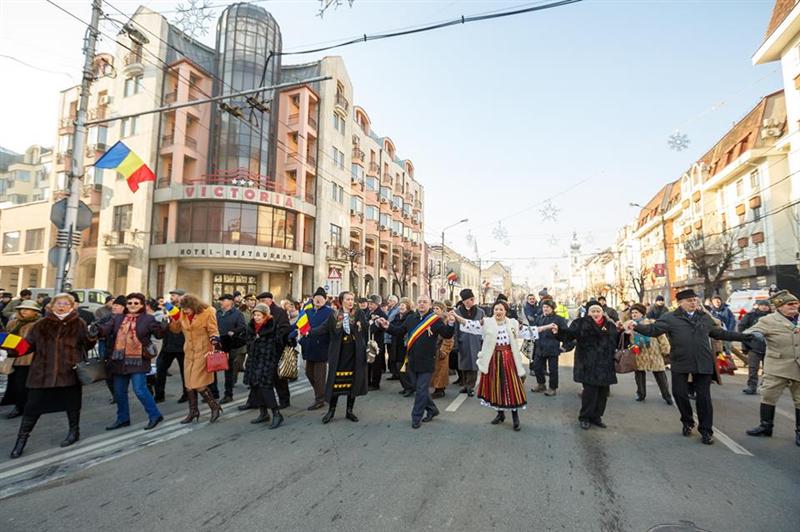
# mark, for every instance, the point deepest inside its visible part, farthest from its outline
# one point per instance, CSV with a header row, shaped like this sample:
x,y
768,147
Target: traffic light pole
x,y
68,236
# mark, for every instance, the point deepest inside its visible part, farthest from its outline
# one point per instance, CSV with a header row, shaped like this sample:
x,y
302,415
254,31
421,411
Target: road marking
x,y
452,407
784,413
13,468
729,443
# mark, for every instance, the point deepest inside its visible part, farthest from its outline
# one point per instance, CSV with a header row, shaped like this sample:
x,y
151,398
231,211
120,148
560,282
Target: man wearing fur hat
x,y
781,331
469,345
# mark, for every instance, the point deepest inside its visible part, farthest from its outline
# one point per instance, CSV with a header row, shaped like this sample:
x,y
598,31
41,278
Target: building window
x,y
227,283
338,123
122,218
161,275
356,205
133,85
34,239
372,213
739,187
372,183
129,126
384,220
236,223
336,235
756,213
754,179
11,242
338,158
337,193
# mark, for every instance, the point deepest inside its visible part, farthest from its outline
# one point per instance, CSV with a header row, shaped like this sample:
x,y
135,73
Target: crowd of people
x,y
350,344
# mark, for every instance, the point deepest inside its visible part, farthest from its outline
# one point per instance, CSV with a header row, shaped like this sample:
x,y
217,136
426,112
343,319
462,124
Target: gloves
x,y
3,355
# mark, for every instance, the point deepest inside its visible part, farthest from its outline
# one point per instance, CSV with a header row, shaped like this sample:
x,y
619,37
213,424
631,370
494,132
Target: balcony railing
x,y
308,247
342,102
191,143
337,253
358,154
132,58
242,177
167,140
171,97
67,122
294,118
97,113
311,160
194,95
312,122
373,169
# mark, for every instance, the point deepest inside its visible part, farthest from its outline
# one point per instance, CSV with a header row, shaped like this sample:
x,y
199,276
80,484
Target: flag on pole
x,y
452,276
120,158
302,320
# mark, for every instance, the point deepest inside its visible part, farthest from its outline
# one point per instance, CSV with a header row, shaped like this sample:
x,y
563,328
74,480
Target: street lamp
x,y
668,295
441,269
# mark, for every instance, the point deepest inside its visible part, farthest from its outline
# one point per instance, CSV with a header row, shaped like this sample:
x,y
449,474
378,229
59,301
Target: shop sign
x,y
254,195
236,252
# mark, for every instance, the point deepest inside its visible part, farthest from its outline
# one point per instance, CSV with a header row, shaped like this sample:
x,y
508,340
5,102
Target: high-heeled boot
x,y
351,401
515,419
25,428
194,412
499,418
277,418
74,434
216,410
328,417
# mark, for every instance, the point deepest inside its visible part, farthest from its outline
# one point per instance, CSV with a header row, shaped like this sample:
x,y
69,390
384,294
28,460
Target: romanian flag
x,y
127,163
172,311
452,277
421,327
302,320
14,342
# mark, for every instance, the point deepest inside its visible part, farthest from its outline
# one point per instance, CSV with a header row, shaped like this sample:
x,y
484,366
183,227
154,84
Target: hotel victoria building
x,y
283,193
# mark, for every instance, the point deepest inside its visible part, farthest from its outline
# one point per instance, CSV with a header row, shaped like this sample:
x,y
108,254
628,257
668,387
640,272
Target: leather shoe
x,y
599,423
430,415
438,394
415,424
687,429
118,425
316,405
585,424
707,439
14,413
246,406
639,398
153,422
226,399
183,398
470,392
750,391
408,393
668,400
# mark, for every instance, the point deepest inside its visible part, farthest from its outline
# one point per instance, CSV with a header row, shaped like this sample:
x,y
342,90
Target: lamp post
x,y
441,269
668,295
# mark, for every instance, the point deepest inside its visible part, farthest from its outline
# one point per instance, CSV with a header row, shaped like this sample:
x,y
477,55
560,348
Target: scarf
x,y
127,346
21,322
346,323
640,339
61,316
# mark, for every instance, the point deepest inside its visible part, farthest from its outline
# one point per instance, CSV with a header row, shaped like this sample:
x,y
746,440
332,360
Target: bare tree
x,y
711,258
638,279
402,273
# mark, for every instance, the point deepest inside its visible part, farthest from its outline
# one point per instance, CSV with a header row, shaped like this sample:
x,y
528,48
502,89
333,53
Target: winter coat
x,y
656,311
422,355
334,329
594,351
548,344
197,336
315,348
783,346
651,356
173,342
724,315
262,355
11,309
394,311
757,345
469,345
22,328
377,332
146,325
531,312
690,348
227,322
59,345
441,375
398,345
487,351
282,325
611,313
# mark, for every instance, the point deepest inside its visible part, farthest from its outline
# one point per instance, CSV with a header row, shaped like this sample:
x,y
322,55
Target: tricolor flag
x,y
452,276
127,163
172,311
302,320
14,342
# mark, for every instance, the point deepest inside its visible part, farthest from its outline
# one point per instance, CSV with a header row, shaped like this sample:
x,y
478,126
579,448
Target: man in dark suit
x,y
282,330
377,368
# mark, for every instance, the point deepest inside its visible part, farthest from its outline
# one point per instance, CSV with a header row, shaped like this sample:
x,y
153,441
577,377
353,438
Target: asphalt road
x,y
456,473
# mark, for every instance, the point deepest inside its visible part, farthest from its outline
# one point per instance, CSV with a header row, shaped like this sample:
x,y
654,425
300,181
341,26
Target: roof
x,y
653,207
780,11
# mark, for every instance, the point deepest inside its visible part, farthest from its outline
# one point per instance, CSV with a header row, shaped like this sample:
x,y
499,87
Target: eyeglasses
x,y
134,303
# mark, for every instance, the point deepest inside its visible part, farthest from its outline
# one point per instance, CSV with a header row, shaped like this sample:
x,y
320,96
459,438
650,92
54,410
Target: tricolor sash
x,y
421,327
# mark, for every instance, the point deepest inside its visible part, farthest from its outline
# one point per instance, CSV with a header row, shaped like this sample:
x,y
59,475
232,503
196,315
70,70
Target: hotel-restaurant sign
x,y
230,251
233,193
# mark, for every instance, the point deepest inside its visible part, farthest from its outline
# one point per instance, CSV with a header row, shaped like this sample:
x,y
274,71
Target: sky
x,y
571,106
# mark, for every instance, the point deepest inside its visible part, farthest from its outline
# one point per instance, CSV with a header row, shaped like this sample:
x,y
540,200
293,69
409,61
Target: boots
x,y
216,410
515,419
351,401
74,434
277,418
767,421
25,428
797,426
263,416
328,417
194,412
499,418
539,388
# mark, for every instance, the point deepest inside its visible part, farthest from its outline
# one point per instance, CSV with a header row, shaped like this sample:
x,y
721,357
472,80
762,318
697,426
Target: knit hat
x,y
466,294
783,297
320,292
28,305
592,303
262,308
659,298
121,300
641,308
543,292
550,303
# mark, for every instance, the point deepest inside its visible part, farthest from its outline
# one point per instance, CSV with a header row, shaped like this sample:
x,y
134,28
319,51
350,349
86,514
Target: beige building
x,y
27,179
467,272
495,280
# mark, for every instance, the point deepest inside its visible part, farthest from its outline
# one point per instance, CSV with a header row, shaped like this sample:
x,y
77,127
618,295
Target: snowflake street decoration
x,y
325,4
500,233
678,141
549,212
588,239
194,17
552,241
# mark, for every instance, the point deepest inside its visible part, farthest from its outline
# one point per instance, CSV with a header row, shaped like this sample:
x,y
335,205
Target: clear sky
x,y
497,116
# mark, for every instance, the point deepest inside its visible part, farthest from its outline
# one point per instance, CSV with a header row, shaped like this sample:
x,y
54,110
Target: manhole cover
x,y
680,526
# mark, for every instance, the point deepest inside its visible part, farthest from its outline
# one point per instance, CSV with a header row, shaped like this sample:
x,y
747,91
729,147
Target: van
x,y
88,298
745,299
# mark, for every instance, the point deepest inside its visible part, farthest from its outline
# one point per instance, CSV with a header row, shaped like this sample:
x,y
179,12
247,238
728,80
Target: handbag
x,y
7,366
624,359
287,366
216,361
91,370
372,349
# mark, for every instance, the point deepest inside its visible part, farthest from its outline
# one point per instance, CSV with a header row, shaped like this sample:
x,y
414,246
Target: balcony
x,y
336,253
242,177
373,169
169,140
358,155
67,125
119,244
194,95
132,64
312,122
311,160
387,177
171,97
97,113
294,118
342,103
64,159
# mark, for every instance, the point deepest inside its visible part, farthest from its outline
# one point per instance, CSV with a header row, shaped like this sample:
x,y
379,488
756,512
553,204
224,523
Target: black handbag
x,y
453,361
91,370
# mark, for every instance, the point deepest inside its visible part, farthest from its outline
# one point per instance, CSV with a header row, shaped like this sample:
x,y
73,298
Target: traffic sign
x,y
58,214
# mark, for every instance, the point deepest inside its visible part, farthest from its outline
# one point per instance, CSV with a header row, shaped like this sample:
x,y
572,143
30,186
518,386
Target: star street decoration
x,y
500,233
588,239
549,212
194,17
678,141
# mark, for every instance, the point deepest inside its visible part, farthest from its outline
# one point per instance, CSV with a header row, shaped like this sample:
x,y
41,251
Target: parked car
x,y
89,298
745,299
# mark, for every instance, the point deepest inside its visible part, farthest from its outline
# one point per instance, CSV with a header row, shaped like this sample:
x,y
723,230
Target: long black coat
x,y
359,328
398,345
690,347
282,325
422,356
594,351
548,344
262,355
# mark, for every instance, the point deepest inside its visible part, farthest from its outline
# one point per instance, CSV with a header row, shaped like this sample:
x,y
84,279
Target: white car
x,y
745,299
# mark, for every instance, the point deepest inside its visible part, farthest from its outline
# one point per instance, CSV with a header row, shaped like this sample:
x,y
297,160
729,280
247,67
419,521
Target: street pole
x,y
67,234
668,295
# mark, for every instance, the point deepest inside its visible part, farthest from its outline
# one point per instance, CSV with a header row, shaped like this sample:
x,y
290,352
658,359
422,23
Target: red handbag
x,y
216,361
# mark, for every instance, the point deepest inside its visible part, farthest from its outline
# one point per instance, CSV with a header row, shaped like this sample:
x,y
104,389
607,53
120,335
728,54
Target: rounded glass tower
x,y
247,36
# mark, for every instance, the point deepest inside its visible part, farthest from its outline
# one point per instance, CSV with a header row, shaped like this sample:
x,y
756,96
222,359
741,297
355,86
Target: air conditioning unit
x,y
770,132
383,227
768,122
383,200
104,100
395,208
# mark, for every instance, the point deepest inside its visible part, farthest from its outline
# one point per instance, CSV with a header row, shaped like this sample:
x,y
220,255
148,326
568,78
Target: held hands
x,y
628,326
